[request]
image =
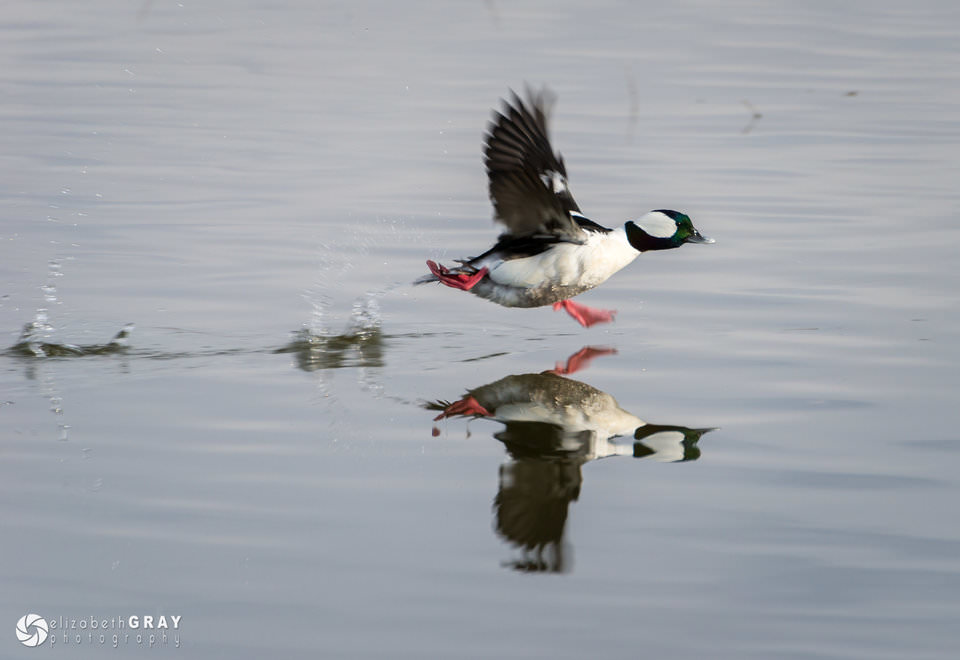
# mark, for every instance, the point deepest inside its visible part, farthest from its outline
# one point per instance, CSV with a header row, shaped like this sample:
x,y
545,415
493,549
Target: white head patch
x,y
657,224
667,446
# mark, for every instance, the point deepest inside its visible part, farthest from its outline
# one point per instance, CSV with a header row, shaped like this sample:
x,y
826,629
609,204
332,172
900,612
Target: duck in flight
x,y
550,251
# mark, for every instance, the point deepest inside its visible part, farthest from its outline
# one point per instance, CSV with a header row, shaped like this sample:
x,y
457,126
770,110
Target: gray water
x,y
251,185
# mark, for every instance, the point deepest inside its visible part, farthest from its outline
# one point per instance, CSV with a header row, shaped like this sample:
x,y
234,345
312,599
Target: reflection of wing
x,y
531,507
528,182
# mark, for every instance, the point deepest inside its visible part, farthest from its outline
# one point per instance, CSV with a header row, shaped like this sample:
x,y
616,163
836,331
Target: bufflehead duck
x,y
550,251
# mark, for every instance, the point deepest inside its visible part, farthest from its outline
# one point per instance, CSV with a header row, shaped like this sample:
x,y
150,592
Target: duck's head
x,y
663,229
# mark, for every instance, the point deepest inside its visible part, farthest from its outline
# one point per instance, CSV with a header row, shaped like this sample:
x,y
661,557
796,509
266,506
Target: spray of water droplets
x,y
337,262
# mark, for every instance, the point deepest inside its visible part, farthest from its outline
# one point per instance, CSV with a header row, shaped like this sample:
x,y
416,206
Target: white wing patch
x,y
657,224
554,181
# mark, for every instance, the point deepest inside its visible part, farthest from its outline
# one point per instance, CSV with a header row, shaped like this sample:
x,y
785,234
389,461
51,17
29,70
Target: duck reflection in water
x,y
552,426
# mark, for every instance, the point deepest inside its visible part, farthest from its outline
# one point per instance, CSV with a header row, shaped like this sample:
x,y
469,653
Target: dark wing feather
x,y
528,181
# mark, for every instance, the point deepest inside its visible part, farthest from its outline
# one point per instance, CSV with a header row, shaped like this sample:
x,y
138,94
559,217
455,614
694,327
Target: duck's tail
x,y
426,279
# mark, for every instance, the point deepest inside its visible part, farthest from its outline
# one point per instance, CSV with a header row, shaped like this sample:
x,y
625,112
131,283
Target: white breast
x,y
568,264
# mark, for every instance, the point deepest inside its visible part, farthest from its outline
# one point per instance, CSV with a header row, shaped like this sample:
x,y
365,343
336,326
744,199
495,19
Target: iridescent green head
x,y
663,229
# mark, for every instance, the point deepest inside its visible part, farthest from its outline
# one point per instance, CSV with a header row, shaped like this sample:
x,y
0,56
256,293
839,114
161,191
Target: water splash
x,y
37,337
366,318
351,349
317,345
34,342
365,323
41,330
337,261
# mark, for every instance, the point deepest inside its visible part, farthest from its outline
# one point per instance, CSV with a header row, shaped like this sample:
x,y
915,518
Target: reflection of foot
x,y
466,406
585,316
581,359
465,281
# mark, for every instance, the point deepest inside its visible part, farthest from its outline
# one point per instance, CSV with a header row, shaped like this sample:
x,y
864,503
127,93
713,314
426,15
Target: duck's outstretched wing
x,y
528,181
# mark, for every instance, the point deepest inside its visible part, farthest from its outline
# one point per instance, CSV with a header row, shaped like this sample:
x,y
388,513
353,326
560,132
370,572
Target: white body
x,y
558,273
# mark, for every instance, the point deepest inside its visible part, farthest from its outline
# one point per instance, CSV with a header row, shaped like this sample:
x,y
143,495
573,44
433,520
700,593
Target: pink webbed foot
x,y
585,316
464,281
581,359
466,406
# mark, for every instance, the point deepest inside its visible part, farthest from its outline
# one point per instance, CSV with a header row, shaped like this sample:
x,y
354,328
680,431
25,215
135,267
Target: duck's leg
x,y
585,316
466,406
464,281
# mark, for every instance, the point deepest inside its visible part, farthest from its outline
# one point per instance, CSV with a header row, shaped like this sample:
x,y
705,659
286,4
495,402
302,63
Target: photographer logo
x,y
32,630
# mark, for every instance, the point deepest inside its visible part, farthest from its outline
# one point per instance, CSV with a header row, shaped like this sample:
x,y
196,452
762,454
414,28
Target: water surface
x,y
252,186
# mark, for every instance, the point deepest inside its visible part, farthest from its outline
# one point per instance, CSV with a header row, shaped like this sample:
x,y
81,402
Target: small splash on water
x,y
40,330
122,338
365,318
338,260
365,322
313,352
335,263
35,341
318,345
32,336
315,326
